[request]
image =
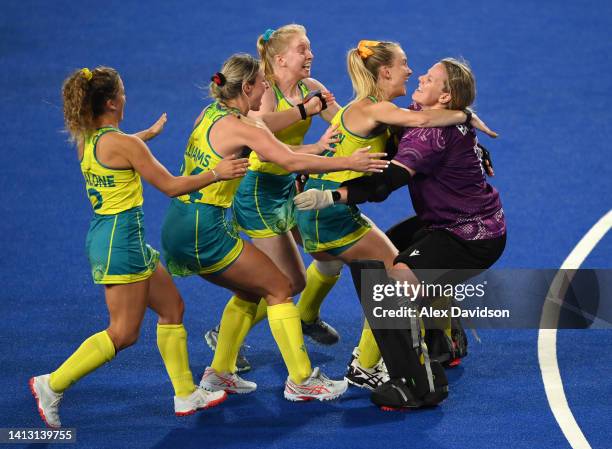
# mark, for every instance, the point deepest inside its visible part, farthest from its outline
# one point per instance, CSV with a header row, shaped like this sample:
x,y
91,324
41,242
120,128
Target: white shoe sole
x,y
228,390
209,404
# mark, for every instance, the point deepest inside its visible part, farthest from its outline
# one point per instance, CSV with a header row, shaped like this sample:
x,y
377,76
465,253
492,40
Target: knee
x,y
298,284
123,338
279,290
402,272
173,312
330,267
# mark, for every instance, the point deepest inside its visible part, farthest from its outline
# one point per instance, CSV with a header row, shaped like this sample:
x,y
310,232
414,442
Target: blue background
x,y
543,72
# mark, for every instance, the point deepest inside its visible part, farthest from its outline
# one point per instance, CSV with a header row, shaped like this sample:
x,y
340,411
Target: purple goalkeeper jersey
x,y
449,190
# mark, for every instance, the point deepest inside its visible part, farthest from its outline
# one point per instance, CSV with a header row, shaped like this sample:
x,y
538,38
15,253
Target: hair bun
x,y
219,79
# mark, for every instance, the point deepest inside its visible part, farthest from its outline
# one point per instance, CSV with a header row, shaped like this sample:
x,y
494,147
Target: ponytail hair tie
x,y
219,79
86,73
268,34
365,48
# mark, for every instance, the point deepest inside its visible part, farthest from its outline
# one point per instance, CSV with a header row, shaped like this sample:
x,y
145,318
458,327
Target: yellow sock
x,y
286,328
235,324
369,354
93,353
172,344
318,286
442,323
262,312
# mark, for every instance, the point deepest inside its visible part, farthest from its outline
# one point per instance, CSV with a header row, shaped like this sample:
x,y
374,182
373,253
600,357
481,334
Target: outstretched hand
x,y
477,123
363,161
313,199
157,127
230,167
329,139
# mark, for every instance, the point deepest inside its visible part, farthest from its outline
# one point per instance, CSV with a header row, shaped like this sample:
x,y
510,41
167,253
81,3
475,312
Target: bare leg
x,y
283,251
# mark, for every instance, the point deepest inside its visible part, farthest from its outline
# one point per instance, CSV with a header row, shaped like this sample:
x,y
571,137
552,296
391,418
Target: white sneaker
x,y
318,386
228,382
369,378
198,400
47,400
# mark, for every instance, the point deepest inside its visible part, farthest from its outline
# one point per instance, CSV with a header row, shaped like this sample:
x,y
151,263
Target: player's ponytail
x,y
84,94
238,69
364,63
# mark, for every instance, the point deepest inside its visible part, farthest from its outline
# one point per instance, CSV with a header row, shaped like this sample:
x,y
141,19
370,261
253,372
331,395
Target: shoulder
x,y
313,84
268,100
118,143
118,138
233,125
200,117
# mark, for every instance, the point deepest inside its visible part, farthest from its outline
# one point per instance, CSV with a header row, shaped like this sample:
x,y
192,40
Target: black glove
x,y
485,159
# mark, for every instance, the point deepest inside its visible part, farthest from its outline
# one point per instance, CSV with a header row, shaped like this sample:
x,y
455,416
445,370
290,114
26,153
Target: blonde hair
x,y
84,95
238,69
461,83
364,70
274,42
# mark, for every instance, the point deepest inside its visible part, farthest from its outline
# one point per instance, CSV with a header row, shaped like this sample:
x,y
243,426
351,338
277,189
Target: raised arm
x,y
375,188
140,158
263,142
154,130
279,120
325,143
388,113
332,105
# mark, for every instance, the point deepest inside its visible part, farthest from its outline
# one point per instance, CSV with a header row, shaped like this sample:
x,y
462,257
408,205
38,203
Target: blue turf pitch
x,y
543,72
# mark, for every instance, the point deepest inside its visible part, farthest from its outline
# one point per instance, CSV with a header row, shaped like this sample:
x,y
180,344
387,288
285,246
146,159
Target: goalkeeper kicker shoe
x,y
369,378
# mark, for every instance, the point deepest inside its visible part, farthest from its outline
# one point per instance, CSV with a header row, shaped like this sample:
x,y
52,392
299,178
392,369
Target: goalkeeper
x,y
460,221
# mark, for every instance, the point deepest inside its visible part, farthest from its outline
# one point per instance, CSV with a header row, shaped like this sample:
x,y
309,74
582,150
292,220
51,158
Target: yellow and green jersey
x,y
201,157
110,190
292,135
350,142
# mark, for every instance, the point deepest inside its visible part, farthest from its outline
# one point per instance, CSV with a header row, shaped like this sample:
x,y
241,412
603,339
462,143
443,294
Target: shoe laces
x,y
319,377
55,402
380,366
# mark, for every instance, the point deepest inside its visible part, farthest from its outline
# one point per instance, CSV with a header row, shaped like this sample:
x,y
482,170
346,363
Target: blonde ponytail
x,y
364,63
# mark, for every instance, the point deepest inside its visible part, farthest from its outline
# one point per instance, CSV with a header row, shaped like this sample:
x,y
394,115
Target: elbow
x,y
292,165
171,192
172,189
